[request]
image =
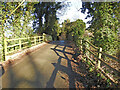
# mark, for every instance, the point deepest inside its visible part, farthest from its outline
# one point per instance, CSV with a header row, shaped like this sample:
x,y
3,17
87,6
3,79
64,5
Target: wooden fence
x,y
94,54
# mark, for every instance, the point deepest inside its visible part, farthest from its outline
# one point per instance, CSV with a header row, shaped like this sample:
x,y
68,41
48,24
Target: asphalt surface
x,y
38,69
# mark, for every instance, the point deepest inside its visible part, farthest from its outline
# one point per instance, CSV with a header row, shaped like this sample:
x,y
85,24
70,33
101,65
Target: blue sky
x,y
72,12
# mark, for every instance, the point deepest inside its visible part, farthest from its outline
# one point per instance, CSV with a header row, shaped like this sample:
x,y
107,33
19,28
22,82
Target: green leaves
x,y
104,23
78,28
46,12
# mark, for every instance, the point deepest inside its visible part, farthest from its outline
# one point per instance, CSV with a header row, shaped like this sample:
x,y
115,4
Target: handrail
x,y
21,43
92,44
112,57
103,61
98,57
22,38
15,39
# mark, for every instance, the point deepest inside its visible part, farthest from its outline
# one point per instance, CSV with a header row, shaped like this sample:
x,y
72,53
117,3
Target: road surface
x,y
39,69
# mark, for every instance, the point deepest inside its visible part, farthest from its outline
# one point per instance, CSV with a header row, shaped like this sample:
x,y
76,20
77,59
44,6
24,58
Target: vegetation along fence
x,y
95,57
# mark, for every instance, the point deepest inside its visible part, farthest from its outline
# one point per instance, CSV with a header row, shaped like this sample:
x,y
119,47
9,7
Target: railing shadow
x,y
67,70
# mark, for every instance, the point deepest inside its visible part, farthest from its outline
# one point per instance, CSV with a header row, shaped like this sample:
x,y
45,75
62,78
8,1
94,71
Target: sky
x,y
72,12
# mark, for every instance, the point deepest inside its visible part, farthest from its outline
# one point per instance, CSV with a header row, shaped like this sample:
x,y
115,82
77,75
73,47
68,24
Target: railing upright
x,y
5,46
99,60
44,37
34,40
20,44
39,39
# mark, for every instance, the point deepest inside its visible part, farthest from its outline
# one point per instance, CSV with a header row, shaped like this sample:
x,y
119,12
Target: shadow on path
x,y
2,71
67,70
81,78
14,80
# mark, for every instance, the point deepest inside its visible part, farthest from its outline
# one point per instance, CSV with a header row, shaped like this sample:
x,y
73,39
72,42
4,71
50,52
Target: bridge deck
x,y
37,70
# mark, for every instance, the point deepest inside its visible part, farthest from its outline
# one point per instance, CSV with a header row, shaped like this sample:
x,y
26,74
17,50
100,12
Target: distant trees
x,y
74,29
42,15
56,30
77,28
46,19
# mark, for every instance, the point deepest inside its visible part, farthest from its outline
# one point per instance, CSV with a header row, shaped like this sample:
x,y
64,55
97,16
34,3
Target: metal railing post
x,y
35,40
38,39
5,47
44,37
20,44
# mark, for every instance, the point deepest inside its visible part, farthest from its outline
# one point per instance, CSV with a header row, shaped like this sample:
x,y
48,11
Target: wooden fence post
x,y
5,47
81,44
87,52
35,40
20,44
99,56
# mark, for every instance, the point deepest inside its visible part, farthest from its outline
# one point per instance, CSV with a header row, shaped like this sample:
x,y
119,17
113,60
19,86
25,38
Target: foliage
x,y
17,24
104,24
48,38
56,30
77,28
66,26
45,14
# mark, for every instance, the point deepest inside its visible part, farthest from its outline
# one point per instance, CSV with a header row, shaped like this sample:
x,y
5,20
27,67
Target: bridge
x,y
53,65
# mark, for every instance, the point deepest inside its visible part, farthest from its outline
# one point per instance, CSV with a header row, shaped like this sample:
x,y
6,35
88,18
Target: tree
x,y
12,16
19,22
56,30
46,11
104,23
78,29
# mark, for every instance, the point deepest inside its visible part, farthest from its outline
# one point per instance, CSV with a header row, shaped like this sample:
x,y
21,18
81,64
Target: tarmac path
x,y
40,69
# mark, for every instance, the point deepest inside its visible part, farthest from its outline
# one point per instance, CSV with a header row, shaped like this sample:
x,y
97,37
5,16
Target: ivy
x,y
104,24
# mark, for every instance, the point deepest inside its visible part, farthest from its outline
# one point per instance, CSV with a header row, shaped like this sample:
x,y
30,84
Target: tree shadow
x,y
13,80
2,71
